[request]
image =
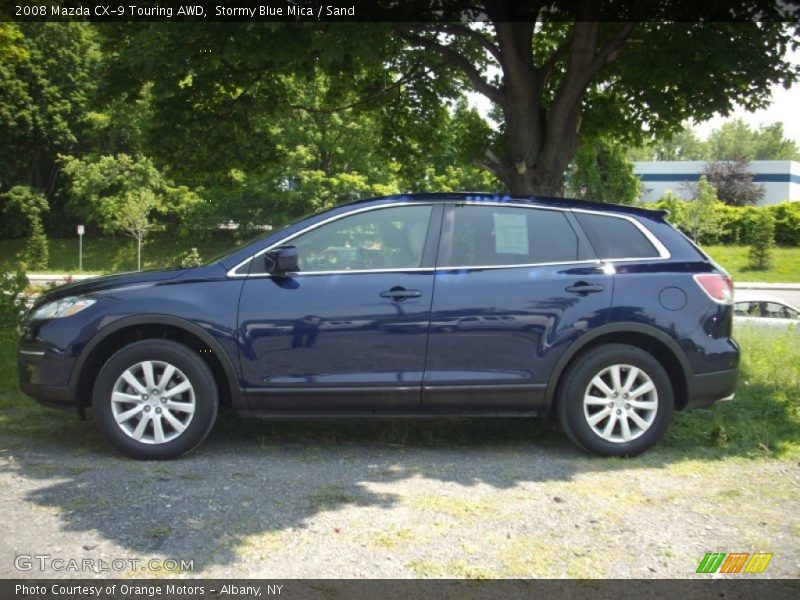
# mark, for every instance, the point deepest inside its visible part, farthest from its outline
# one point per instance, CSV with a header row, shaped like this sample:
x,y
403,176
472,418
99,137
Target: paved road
x,y
332,500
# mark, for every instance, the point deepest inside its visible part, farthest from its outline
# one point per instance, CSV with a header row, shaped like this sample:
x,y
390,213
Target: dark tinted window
x,y
613,237
500,235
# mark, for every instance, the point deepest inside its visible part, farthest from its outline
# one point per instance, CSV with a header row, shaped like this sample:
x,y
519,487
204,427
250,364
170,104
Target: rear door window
x,y
507,235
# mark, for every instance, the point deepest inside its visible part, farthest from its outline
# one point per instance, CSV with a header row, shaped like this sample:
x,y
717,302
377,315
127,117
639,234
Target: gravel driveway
x,y
333,499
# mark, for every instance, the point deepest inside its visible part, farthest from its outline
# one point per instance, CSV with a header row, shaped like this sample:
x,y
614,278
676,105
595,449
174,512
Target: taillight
x,y
718,287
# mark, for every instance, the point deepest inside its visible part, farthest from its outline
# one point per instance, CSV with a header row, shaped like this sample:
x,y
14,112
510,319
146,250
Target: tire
x,y
175,421
639,413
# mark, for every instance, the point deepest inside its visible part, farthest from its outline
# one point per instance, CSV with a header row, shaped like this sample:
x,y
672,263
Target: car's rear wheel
x,y
616,400
155,399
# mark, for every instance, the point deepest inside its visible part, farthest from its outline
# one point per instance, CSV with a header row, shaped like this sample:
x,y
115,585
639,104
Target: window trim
x,y
233,274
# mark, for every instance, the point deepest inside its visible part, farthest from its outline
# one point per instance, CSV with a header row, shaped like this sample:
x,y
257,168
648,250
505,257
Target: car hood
x,y
106,282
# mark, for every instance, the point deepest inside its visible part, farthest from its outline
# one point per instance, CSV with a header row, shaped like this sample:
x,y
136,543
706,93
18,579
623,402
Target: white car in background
x,y
763,309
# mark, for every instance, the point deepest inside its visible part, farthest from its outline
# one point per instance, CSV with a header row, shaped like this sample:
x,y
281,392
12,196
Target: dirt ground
x,y
343,505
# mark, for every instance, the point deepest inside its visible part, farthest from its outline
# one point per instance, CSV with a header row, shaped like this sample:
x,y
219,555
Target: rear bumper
x,y
708,388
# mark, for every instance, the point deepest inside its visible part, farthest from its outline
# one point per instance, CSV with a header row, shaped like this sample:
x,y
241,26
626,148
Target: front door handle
x,y
398,293
582,288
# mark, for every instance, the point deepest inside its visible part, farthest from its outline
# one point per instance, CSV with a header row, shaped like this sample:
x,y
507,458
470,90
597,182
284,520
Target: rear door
x,y
515,285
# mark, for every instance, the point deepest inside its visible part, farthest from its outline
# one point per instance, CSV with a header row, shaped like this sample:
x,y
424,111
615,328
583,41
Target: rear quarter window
x,y
614,237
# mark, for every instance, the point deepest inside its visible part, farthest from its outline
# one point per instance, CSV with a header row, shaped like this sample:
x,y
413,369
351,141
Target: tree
x,y
601,173
553,82
99,188
733,181
47,73
736,140
37,253
763,242
133,217
681,145
22,208
700,215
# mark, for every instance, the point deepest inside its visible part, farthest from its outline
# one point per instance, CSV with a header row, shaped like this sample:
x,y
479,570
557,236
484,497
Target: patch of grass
x,y
158,532
452,570
785,268
764,417
729,494
455,507
330,496
110,255
531,557
393,537
528,557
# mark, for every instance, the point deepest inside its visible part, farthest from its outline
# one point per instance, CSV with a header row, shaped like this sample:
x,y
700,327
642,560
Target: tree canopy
x,y
261,122
554,82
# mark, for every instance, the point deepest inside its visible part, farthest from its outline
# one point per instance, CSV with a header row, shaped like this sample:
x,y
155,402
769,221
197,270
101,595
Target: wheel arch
x,y
131,329
648,338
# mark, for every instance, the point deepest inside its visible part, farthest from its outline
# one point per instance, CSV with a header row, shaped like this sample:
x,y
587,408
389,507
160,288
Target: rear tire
x,y
616,400
155,400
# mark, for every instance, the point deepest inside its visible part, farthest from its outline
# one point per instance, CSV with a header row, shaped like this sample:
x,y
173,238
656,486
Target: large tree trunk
x,y
541,141
541,100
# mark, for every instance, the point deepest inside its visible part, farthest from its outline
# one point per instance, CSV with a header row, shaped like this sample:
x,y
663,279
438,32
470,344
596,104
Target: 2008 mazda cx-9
x,y
419,305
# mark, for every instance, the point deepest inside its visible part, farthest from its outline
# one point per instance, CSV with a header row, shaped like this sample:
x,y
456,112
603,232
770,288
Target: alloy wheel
x,y
153,402
620,403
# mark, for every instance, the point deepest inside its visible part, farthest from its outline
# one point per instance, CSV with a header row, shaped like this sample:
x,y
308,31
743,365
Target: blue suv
x,y
418,305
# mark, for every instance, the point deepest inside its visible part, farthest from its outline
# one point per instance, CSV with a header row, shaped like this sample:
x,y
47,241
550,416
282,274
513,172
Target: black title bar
x,y
205,11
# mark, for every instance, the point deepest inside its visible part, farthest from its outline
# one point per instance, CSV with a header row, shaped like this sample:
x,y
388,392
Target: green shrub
x,y
735,224
21,207
763,241
12,302
36,249
787,223
191,259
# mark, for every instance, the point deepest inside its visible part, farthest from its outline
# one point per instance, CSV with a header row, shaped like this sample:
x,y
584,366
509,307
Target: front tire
x,y
616,400
155,400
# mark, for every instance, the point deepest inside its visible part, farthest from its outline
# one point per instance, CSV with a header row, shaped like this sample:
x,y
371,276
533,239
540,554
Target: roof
x,y
552,201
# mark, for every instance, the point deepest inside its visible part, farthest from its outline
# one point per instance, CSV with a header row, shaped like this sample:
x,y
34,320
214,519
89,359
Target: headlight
x,y
65,307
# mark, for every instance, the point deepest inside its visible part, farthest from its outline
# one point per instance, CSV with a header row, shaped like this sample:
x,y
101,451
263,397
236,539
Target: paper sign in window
x,y
510,234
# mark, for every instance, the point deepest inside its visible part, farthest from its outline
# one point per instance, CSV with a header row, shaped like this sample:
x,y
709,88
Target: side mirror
x,y
281,260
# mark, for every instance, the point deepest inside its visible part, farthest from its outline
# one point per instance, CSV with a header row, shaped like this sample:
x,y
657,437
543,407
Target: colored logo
x,y
734,562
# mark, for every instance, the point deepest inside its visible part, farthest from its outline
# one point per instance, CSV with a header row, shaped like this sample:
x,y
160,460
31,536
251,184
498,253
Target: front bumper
x,y
708,388
42,376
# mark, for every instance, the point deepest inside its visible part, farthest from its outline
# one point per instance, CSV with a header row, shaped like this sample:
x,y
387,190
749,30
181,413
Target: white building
x,y
780,178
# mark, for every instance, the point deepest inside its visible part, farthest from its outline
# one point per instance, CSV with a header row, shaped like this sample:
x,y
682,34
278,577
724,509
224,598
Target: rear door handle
x,y
399,293
582,288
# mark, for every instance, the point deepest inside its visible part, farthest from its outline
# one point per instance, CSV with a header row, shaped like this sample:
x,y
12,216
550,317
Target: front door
x,y
349,330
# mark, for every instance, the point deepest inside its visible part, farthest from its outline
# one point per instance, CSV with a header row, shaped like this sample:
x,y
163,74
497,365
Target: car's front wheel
x,y
616,400
155,399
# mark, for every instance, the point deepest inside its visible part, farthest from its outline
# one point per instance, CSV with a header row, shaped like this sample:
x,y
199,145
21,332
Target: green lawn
x,y
105,255
762,421
785,268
